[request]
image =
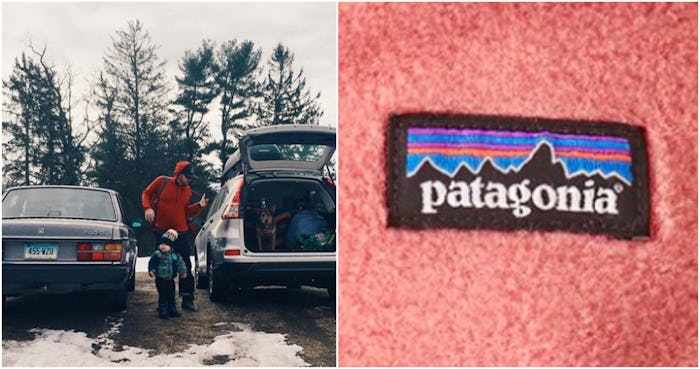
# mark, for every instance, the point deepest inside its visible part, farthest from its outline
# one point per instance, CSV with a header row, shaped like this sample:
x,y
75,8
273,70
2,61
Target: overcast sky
x,y
78,34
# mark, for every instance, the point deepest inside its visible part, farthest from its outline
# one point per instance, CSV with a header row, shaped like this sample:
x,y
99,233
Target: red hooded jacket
x,y
174,203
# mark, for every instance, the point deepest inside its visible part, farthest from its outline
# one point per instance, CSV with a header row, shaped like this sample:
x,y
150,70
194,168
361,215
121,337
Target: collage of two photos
x,y
169,184
347,184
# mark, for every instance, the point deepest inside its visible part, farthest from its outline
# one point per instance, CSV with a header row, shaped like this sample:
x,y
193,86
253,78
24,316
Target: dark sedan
x,y
65,239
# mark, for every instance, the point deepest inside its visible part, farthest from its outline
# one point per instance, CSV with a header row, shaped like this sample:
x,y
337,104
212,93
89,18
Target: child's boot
x,y
163,311
172,310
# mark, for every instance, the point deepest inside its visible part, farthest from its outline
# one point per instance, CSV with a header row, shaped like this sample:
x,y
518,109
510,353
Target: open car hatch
x,y
299,147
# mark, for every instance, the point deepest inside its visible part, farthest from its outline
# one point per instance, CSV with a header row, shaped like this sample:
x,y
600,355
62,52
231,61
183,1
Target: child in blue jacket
x,y
165,264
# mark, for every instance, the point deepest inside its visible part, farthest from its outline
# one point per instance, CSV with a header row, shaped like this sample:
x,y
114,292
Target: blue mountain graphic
x,y
450,165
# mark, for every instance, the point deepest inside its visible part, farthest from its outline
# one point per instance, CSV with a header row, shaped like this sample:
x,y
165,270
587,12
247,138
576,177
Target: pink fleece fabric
x,y
482,298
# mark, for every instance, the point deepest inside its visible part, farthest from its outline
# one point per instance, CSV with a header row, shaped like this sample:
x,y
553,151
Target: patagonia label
x,y
506,173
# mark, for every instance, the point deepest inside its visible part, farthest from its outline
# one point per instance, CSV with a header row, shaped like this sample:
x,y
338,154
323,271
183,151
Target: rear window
x,y
58,203
288,152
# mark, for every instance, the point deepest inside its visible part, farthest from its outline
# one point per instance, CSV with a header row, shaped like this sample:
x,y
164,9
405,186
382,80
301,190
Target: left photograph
x,y
169,177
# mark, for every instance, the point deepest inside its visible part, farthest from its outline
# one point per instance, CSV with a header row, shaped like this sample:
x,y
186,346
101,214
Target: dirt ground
x,y
306,316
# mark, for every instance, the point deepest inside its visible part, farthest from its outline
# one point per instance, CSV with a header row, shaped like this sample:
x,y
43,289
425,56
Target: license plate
x,y
41,251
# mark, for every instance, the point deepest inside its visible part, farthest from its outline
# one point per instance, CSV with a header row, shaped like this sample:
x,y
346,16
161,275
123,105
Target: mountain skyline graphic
x,y
540,169
543,156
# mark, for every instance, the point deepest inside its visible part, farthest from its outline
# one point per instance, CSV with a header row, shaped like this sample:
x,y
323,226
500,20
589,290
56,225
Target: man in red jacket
x,y
166,202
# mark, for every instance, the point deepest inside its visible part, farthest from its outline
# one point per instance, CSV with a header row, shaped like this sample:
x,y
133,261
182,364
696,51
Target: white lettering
x,y
569,199
588,195
518,197
428,202
497,198
518,194
458,195
607,202
476,187
539,201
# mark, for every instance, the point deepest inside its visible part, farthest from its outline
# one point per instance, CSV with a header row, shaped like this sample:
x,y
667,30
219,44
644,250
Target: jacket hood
x,y
179,167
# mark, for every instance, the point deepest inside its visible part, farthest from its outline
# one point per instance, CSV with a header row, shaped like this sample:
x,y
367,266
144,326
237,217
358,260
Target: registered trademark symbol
x,y
618,187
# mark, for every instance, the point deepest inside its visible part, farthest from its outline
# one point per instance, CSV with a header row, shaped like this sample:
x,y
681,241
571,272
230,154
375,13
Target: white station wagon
x,y
280,168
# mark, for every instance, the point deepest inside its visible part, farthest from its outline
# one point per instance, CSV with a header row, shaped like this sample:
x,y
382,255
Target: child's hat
x,y
169,237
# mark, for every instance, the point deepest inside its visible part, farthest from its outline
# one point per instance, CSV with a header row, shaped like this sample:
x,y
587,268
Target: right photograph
x,y
519,184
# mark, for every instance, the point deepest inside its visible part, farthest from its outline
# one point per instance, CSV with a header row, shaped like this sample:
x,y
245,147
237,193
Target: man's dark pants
x,y
182,247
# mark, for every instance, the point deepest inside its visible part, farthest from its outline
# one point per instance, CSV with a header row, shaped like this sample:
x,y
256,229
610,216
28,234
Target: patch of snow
x,y
69,348
142,264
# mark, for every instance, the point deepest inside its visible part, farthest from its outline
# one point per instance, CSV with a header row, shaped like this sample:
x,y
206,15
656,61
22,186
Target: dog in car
x,y
266,229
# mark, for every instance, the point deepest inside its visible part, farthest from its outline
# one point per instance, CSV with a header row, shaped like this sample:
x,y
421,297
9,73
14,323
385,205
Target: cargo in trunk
x,y
302,212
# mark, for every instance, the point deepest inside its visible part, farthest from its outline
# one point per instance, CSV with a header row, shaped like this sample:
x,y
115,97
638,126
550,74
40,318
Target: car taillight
x,y
84,252
232,252
113,251
99,252
233,210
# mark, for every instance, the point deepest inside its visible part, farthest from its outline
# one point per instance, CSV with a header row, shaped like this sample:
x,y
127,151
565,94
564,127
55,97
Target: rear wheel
x,y
217,291
202,281
131,283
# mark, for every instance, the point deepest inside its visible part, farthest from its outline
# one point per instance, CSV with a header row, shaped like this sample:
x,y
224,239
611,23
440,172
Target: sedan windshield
x,y
58,203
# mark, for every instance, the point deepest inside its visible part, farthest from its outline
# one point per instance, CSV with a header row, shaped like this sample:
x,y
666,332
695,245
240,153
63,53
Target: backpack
x,y
156,198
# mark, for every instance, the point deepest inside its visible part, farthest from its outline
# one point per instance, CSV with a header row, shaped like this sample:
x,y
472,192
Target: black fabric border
x,y
396,166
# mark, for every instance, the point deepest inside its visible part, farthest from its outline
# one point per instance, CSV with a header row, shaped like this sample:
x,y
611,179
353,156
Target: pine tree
x,y
41,128
237,82
134,69
197,90
131,97
64,155
110,148
286,99
134,112
19,148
